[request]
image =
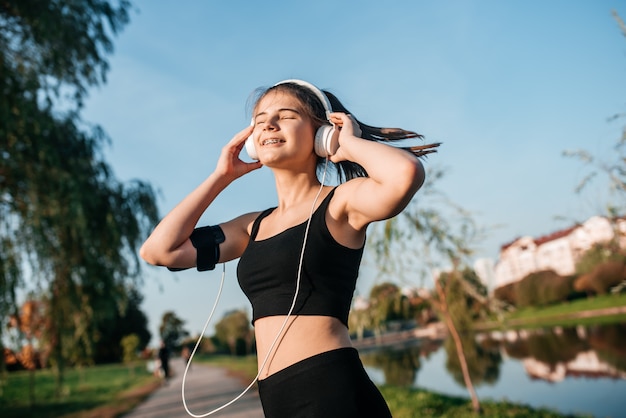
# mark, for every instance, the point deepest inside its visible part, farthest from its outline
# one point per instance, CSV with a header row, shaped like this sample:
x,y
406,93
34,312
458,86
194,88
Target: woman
x,y
299,261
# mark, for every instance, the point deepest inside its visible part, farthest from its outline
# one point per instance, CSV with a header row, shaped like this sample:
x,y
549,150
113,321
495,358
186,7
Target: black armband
x,y
206,240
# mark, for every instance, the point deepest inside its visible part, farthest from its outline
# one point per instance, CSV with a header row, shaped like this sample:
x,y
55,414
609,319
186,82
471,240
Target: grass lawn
x,y
578,312
243,367
102,391
412,403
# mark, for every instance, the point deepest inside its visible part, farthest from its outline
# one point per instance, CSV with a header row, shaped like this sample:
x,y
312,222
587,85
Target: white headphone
x,y
326,142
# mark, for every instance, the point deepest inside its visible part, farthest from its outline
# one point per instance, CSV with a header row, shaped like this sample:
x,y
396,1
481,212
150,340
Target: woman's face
x,y
282,130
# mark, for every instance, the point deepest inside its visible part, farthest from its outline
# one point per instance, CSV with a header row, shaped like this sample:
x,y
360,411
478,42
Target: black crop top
x,y
268,270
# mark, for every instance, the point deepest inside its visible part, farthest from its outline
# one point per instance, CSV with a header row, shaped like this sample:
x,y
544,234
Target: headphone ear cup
x,y
326,141
250,149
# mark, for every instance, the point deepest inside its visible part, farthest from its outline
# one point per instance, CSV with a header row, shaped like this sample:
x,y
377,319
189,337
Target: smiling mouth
x,y
271,141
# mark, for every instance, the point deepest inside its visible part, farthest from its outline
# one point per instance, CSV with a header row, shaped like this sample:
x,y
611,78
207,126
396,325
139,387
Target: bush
x,y
557,289
599,253
543,288
602,277
506,293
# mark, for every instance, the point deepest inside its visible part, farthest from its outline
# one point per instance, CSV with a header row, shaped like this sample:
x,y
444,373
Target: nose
x,y
270,124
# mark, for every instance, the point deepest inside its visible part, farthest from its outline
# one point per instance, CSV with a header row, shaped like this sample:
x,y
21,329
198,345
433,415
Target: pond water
x,y
571,370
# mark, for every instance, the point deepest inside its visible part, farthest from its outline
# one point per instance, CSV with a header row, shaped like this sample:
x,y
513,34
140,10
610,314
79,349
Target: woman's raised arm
x,y
169,244
394,176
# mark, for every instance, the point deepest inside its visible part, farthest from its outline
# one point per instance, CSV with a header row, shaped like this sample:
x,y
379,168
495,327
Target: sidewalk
x,y
206,388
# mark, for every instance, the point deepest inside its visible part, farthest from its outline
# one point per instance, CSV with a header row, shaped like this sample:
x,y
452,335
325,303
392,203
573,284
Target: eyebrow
x,y
283,109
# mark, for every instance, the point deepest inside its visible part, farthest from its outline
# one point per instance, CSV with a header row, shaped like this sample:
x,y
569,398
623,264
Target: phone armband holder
x,y
206,240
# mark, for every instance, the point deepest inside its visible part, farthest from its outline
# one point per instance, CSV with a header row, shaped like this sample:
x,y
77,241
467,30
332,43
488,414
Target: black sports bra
x,y
268,270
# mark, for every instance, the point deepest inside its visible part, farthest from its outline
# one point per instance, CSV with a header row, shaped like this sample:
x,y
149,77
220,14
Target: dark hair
x,y
313,108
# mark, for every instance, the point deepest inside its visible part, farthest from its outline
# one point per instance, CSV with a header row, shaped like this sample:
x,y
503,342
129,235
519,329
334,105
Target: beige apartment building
x,y
558,251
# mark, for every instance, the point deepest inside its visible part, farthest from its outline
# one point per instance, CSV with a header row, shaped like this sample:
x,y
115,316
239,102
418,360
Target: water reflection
x,y
553,355
483,360
578,364
400,363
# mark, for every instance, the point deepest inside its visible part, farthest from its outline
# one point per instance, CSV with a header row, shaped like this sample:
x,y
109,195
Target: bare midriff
x,y
302,337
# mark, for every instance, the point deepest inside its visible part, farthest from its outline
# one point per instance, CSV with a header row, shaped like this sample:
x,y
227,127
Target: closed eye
x,y
284,113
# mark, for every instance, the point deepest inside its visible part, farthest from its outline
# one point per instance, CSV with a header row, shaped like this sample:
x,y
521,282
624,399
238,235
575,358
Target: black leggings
x,y
328,385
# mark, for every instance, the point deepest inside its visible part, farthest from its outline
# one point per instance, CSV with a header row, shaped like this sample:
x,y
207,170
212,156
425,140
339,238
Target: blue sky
x,y
506,86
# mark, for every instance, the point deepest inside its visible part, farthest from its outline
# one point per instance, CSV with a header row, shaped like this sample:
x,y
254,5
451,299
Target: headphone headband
x,y
319,93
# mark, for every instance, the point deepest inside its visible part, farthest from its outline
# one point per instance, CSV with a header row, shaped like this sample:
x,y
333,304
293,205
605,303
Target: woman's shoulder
x,y
237,232
244,222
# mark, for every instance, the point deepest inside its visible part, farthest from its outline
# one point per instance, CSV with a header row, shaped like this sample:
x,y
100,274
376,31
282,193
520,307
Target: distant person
x,y
186,354
164,359
299,261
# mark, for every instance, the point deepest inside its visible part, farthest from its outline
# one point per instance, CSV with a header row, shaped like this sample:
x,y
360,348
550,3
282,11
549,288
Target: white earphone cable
x,y
280,331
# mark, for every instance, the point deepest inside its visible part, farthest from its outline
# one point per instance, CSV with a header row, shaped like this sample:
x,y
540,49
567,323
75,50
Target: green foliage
x,y
528,289
389,307
599,253
50,45
84,389
385,305
600,268
233,330
507,293
413,402
130,345
128,319
563,314
543,288
557,289
457,301
172,329
602,277
466,297
245,366
64,218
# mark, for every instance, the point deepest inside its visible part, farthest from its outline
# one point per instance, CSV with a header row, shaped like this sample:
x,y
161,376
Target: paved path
x,y
206,388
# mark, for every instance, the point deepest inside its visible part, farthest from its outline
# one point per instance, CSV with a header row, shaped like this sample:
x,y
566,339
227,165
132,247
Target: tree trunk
x,y
57,320
459,347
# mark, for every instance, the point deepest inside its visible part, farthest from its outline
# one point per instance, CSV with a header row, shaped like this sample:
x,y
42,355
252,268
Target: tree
x,y
234,331
420,239
30,321
129,319
443,307
602,278
385,305
64,218
130,345
172,329
599,253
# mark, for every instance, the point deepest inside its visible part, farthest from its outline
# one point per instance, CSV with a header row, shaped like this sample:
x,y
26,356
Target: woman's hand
x,y
229,164
169,243
348,129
